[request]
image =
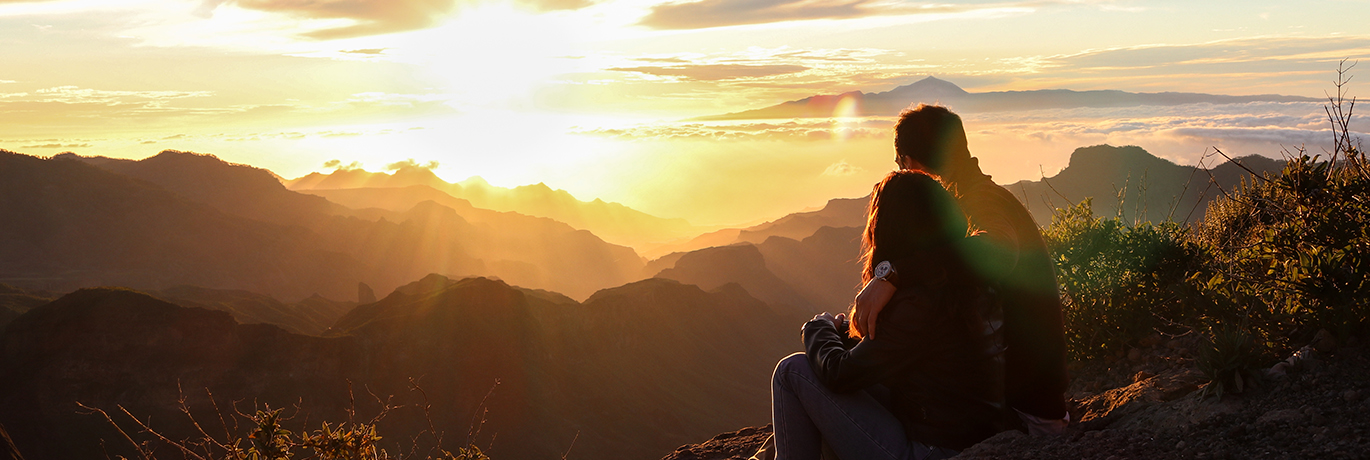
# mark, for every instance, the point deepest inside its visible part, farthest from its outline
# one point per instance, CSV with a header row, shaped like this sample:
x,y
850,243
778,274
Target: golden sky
x,y
589,95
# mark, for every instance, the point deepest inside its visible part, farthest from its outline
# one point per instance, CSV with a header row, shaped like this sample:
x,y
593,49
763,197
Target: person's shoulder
x,y
986,198
985,190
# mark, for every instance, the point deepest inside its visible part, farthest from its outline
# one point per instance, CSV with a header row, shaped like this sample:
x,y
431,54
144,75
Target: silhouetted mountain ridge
x,y
613,222
110,346
654,348
1152,187
237,189
84,226
837,212
180,218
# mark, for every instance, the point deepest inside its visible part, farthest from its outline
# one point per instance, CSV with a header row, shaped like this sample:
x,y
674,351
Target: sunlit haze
x,y
597,97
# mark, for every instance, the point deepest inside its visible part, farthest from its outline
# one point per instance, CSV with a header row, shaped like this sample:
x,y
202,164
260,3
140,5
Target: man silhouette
x,y
1009,252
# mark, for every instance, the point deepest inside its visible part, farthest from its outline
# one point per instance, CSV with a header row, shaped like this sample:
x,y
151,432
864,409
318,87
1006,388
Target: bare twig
x,y
149,430
13,451
1043,172
227,434
573,444
480,412
427,415
1239,165
142,450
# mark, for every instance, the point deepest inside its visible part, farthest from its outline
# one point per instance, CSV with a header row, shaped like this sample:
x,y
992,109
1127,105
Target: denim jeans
x,y
856,426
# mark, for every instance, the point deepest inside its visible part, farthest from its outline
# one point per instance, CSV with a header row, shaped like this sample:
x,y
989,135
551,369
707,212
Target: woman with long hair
x,y
928,382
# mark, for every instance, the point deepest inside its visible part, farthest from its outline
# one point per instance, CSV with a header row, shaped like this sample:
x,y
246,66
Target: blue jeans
x,y
855,426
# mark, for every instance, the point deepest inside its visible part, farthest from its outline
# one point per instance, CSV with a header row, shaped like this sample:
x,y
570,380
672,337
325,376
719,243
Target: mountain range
x,y
578,376
411,184
180,218
932,90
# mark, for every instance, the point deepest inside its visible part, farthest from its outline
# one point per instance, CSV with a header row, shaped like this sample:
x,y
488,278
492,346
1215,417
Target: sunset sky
x,y
590,96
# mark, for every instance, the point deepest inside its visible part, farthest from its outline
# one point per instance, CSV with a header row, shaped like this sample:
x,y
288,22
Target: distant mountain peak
x,y
1108,156
930,87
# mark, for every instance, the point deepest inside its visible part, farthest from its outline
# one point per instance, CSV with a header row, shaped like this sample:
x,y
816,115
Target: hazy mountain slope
x,y
357,178
817,273
611,221
838,212
722,237
105,347
682,359
932,90
741,264
425,238
84,226
1152,185
533,252
310,316
823,268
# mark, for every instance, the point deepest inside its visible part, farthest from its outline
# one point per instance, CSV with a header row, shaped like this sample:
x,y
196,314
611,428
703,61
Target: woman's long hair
x,y
912,218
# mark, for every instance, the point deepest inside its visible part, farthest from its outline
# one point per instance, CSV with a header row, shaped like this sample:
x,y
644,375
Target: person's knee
x,y
793,363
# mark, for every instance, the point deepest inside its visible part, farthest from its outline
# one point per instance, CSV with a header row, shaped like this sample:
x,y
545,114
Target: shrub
x,y
1119,282
1231,360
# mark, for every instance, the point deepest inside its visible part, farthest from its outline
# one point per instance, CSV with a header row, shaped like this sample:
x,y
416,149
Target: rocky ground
x,y
1149,403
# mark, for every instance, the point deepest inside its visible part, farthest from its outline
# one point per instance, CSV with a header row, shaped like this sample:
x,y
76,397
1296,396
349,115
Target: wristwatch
x,y
885,271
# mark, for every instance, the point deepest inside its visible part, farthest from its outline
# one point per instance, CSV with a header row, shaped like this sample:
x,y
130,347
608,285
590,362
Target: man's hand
x,y
873,297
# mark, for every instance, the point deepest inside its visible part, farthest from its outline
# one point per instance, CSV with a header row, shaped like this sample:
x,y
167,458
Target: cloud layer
x,y
715,72
720,13
374,17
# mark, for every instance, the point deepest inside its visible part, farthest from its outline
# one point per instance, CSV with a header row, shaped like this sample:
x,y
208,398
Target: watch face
x,y
882,269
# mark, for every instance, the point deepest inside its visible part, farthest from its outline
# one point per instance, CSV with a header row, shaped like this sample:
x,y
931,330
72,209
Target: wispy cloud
x,y
1180,129
714,72
374,17
56,146
370,17
818,130
720,13
77,95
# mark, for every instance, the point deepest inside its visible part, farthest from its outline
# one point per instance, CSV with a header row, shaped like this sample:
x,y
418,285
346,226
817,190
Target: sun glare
x,y
492,55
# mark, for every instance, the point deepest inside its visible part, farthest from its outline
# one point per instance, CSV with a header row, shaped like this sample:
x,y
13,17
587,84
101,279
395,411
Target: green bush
x,y
1230,358
1119,282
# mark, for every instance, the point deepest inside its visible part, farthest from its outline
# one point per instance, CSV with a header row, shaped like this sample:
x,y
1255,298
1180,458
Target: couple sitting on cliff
x,y
956,335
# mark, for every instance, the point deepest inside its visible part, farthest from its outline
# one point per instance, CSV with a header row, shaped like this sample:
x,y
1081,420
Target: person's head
x,y
910,215
929,138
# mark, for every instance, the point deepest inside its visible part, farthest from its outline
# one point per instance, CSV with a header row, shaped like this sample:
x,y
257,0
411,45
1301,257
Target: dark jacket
x,y
1017,262
938,352
1010,253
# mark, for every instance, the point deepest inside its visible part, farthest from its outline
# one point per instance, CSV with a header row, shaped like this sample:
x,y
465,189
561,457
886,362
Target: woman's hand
x,y
873,297
835,320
